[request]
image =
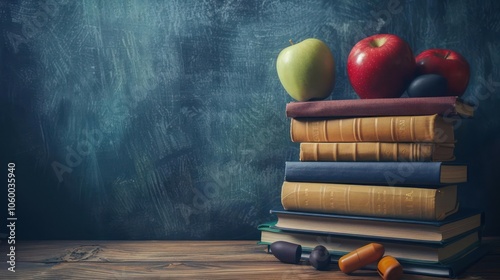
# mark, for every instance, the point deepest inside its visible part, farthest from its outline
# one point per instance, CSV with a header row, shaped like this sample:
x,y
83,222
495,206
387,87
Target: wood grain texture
x,y
168,117
183,259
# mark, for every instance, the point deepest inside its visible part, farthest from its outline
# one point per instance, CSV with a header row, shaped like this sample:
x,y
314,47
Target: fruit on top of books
x,y
307,70
286,252
360,257
389,268
381,66
320,258
428,85
447,63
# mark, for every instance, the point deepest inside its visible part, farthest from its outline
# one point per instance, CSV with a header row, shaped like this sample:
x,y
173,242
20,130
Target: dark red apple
x,y
381,66
447,63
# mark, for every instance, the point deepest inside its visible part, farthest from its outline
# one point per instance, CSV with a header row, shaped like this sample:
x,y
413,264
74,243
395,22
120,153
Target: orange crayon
x,y
389,268
361,257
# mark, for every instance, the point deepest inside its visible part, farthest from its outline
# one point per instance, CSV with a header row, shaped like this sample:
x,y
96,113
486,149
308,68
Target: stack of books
x,y
379,170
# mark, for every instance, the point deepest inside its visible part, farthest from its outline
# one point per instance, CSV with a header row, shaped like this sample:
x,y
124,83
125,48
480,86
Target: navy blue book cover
x,y
377,173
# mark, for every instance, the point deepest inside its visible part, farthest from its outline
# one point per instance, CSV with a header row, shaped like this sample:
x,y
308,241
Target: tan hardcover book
x,y
364,200
430,128
376,151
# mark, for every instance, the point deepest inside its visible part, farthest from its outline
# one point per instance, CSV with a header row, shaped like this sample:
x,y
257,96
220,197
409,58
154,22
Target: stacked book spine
x,y
379,170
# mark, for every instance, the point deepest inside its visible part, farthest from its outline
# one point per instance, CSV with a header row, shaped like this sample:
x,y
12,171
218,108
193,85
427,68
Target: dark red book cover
x,y
447,106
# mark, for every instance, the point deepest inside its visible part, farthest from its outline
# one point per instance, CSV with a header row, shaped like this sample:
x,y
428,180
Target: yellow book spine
x,y
381,201
366,151
431,128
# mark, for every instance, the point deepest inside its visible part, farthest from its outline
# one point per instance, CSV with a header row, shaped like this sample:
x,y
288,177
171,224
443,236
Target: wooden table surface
x,y
182,259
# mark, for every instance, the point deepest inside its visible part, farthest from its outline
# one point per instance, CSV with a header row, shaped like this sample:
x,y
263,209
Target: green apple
x,y
307,70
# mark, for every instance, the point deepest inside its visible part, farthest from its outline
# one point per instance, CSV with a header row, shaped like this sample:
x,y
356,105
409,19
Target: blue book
x,y
410,251
451,268
377,173
465,220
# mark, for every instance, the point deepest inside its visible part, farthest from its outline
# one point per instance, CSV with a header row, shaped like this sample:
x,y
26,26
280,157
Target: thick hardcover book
x,y
377,173
447,106
376,201
376,151
451,268
429,128
404,251
385,228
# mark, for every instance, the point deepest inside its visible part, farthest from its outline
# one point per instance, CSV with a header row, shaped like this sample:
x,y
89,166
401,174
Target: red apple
x,y
447,63
381,66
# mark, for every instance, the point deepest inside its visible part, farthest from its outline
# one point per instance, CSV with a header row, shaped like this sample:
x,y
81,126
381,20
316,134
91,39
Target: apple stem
x,y
291,42
446,56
